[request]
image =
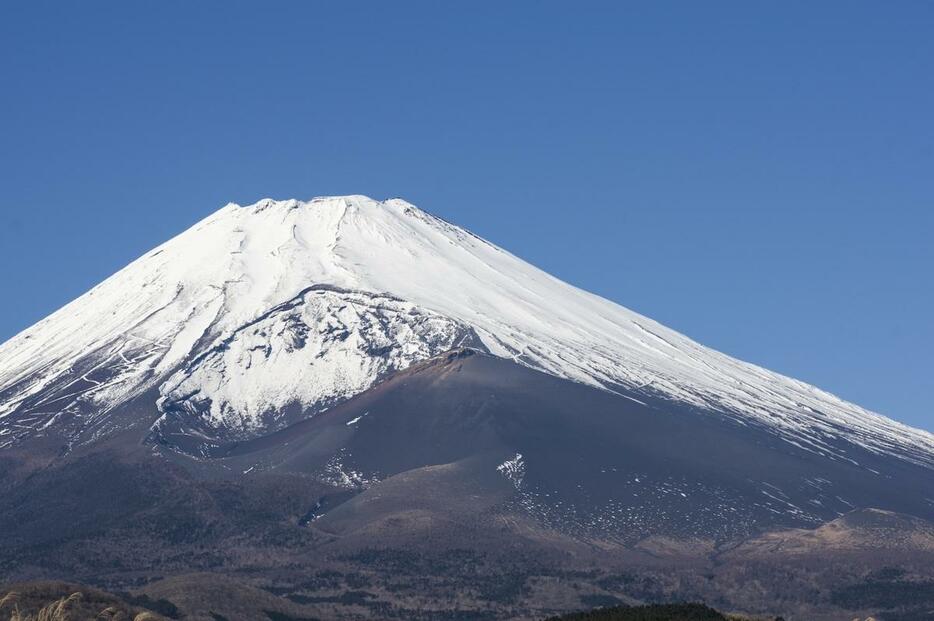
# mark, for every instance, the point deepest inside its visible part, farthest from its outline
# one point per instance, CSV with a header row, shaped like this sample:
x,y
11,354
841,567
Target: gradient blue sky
x,y
757,175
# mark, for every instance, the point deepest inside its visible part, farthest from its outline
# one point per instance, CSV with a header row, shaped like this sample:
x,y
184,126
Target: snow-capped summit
x,y
261,313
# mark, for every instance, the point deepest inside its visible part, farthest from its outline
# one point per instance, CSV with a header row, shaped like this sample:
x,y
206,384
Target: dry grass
x,y
63,609
56,611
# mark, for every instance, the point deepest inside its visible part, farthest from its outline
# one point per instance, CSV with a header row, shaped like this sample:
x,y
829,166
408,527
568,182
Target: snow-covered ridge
x,y
154,324
321,347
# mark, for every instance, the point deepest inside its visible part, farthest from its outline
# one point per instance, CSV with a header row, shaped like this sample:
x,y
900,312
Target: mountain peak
x,y
370,287
354,201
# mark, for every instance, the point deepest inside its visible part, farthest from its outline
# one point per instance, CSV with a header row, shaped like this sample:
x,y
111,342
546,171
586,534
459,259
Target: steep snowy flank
x,y
214,319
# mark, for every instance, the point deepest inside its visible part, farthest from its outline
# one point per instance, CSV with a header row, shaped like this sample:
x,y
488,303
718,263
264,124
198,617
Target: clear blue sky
x,y
757,175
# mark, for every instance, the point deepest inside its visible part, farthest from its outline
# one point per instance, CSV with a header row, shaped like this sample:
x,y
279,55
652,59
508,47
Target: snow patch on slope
x,y
514,470
323,346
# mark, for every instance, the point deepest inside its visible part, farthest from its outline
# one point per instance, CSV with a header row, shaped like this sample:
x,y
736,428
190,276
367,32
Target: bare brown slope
x,y
467,483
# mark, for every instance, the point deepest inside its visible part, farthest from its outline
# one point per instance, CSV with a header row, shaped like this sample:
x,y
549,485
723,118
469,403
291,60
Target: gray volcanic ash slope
x,y
302,383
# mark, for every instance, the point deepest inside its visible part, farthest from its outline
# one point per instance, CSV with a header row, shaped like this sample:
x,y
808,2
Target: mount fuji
x,y
347,375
